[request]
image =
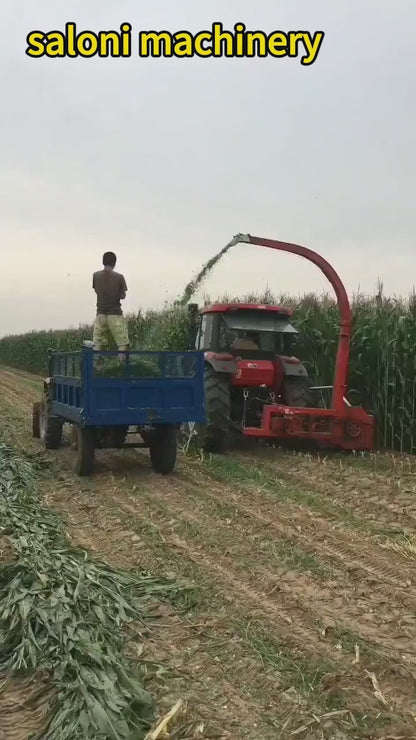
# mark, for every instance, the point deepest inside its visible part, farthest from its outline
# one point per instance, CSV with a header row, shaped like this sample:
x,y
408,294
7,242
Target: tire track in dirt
x,y
303,637
335,604
306,636
386,496
317,534
329,537
174,511
358,690
290,598
229,577
102,532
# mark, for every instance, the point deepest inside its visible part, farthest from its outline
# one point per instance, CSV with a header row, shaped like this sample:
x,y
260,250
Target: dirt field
x,y
303,621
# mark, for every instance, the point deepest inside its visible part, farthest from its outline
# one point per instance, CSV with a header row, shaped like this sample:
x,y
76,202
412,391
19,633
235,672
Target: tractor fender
x,y
291,366
221,362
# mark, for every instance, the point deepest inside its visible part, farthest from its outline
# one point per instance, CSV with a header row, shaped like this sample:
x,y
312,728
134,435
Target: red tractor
x,y
255,385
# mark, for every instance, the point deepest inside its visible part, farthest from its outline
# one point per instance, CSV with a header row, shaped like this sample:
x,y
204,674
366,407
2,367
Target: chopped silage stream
x,y
196,282
63,623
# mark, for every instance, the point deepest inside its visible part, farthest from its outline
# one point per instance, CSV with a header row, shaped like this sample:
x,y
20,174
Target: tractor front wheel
x,y
163,448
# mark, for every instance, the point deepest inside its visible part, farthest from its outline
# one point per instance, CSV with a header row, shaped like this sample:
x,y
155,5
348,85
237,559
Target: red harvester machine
x,y
254,385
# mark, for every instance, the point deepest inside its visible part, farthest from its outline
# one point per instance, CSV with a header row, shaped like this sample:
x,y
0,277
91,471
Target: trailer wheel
x,y
163,448
36,420
297,391
84,445
50,427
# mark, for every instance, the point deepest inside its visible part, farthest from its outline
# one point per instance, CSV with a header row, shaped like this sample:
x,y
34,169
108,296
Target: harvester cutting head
x,y
255,385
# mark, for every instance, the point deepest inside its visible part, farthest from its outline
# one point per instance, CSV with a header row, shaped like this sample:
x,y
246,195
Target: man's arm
x,y
93,282
123,287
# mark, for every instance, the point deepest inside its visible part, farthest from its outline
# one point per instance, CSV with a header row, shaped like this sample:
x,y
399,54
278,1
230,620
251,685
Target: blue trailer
x,y
108,398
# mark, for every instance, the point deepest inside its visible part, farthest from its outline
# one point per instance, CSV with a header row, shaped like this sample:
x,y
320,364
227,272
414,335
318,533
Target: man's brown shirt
x,y
110,287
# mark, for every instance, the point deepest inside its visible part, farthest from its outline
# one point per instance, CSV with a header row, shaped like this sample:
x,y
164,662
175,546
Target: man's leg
x,y
118,329
100,338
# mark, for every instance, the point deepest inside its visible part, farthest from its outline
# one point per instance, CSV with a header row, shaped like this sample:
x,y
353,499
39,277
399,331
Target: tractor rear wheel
x,y
298,392
214,435
163,448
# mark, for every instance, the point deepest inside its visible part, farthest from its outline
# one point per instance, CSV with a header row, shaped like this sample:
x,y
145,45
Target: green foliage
x,y
63,614
29,351
383,350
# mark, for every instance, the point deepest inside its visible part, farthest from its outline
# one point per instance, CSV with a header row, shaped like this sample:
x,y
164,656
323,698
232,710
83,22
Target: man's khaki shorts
x,y
107,327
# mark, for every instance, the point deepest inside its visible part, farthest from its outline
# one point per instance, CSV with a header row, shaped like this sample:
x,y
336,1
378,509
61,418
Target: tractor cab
x,y
247,331
249,365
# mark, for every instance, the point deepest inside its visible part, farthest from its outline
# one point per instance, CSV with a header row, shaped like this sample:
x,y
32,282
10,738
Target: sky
x,y
164,160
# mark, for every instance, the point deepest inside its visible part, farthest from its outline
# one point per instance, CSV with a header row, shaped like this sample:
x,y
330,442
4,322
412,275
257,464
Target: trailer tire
x,y
50,427
297,392
85,450
163,448
36,420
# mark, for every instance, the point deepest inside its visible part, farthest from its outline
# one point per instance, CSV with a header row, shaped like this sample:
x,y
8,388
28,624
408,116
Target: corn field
x,y
382,364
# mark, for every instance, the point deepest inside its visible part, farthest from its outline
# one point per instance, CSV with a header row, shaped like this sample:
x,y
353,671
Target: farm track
x,y
304,619
314,532
386,491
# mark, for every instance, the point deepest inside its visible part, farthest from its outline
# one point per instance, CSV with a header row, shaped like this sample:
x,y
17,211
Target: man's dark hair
x,y
109,259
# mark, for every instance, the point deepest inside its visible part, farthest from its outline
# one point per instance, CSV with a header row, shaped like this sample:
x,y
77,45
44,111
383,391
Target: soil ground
x,y
302,623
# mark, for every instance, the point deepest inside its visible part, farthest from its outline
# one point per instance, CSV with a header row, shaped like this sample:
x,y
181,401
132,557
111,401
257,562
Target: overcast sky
x,y
163,160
